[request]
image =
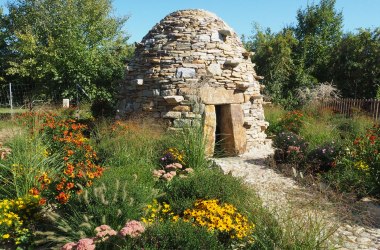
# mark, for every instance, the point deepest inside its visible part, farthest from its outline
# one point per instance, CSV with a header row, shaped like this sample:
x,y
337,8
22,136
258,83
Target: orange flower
x,y
34,191
69,185
59,186
62,197
42,201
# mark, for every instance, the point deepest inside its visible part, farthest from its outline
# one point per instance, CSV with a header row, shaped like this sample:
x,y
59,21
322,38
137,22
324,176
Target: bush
x,y
290,147
178,235
322,158
292,121
205,184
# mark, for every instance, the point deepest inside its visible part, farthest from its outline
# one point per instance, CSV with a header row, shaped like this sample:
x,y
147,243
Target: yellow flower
x,y
6,236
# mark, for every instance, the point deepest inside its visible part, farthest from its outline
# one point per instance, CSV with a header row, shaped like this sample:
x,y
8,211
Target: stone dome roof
x,y
189,60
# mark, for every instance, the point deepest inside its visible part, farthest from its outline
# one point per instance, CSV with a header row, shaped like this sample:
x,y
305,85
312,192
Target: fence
x,y
16,95
26,96
348,106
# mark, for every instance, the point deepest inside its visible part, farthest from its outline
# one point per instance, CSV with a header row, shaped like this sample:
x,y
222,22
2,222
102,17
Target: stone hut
x,y
192,66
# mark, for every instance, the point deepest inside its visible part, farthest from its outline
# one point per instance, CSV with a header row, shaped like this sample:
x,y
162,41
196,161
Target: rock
x,y
209,129
232,63
215,69
173,99
180,123
171,114
217,96
138,81
185,73
225,32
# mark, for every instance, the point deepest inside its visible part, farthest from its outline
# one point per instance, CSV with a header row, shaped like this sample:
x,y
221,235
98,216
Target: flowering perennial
x,y
222,218
172,155
16,216
158,212
80,160
131,229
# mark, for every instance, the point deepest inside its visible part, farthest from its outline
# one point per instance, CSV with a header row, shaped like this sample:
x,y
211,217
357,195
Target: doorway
x,y
230,136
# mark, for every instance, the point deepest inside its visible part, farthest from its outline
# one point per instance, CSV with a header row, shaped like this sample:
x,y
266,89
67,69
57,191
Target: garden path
x,y
282,194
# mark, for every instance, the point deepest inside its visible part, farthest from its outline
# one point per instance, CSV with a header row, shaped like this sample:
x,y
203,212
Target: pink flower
x,y
132,228
69,246
293,149
189,170
102,228
86,244
173,167
169,176
158,173
104,232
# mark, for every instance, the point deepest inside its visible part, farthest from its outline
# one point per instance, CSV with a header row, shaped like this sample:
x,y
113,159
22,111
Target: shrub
x,y
178,235
323,158
205,184
17,219
290,147
292,121
223,219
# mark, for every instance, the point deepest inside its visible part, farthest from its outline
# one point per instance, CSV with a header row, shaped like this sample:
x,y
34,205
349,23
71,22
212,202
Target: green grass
x,y
130,153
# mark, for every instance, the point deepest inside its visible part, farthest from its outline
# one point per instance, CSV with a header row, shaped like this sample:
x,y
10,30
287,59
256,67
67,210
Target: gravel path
x,y
279,192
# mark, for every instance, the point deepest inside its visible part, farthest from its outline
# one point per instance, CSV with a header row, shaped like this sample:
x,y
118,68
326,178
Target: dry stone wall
x,y
189,60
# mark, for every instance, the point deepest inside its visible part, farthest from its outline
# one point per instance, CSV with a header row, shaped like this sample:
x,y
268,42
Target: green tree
x,y
357,65
273,55
318,30
58,44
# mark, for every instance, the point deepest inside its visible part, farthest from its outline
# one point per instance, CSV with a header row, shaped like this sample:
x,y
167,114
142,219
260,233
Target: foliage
x,y
322,158
179,235
292,121
291,147
17,217
318,30
356,69
315,50
191,141
58,44
222,218
363,156
79,166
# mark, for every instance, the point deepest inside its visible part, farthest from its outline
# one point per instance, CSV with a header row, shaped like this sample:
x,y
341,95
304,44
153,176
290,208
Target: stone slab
x,y
218,96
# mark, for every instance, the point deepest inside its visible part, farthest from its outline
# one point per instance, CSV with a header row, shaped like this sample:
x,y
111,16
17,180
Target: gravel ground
x,y
279,192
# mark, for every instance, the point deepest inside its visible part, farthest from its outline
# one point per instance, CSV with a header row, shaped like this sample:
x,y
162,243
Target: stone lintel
x,y
218,96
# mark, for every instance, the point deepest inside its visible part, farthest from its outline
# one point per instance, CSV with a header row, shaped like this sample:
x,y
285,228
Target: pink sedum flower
x,y
133,229
69,246
158,173
86,244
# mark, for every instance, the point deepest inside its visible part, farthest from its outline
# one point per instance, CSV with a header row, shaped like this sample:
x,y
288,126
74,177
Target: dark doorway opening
x,y
220,133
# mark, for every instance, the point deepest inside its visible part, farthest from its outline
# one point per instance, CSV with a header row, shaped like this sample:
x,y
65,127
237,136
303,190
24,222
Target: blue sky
x,y
240,14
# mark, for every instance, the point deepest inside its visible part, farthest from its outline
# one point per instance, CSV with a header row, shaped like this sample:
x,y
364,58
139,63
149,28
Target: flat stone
x,y
185,73
215,69
209,129
138,81
173,99
171,114
225,32
181,108
232,62
180,123
217,96
243,85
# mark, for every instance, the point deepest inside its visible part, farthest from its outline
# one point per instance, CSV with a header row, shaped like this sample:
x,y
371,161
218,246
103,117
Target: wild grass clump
x,y
333,150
